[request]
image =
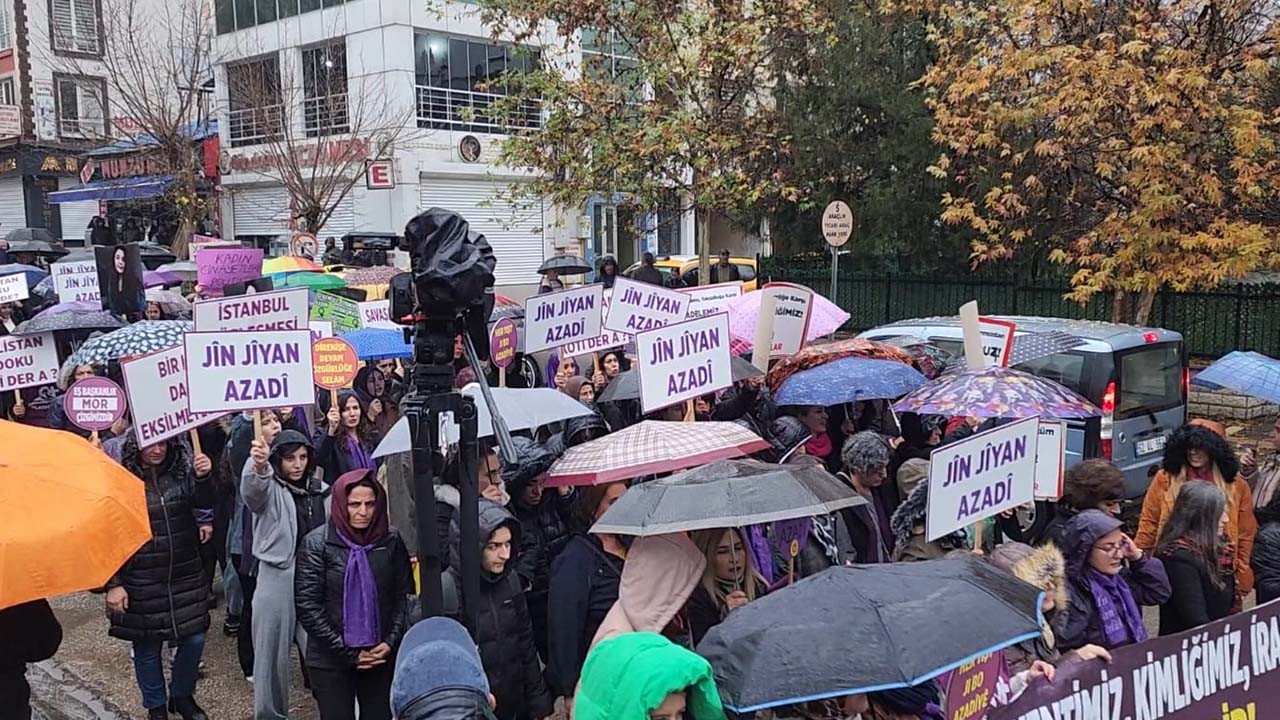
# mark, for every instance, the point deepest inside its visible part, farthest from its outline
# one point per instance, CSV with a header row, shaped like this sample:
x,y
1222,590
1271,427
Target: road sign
x,y
837,223
86,171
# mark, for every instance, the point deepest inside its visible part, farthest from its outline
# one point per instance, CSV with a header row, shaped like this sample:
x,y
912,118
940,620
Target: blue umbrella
x,y
378,343
33,273
848,380
1246,372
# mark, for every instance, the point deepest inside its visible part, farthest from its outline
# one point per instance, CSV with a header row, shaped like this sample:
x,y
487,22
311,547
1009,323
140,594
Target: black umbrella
x,y
565,265
850,630
726,494
62,321
626,386
34,240
153,255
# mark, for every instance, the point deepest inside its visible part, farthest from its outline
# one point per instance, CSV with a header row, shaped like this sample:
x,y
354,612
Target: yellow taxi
x,y
684,268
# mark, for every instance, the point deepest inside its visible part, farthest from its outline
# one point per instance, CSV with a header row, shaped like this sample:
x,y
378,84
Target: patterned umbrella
x,y
172,303
816,355
849,380
996,392
825,318
1250,373
380,275
49,321
378,343
33,273
289,263
73,306
928,358
140,338
652,447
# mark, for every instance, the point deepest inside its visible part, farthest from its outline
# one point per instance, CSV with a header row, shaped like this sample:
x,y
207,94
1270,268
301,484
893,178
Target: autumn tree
x,y
680,103
1134,142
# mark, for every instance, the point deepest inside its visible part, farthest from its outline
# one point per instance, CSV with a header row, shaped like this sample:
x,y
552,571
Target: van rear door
x,y
1150,402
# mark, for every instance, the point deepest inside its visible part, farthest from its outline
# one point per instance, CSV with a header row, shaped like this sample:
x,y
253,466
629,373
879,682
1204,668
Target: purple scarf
x,y
1118,614
361,627
758,547
360,458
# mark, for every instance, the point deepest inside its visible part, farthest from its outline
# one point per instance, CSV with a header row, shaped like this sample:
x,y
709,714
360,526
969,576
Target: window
x,y
1150,380
609,56
235,15
253,93
8,96
75,26
458,81
324,82
80,107
6,30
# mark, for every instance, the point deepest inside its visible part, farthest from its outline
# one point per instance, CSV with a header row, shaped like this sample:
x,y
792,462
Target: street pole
x,y
835,270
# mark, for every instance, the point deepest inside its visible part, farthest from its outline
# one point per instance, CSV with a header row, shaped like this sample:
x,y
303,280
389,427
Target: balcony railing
x,y
446,109
326,115
251,126
81,127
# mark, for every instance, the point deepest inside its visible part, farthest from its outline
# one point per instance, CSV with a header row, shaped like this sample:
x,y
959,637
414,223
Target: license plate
x,y
1151,445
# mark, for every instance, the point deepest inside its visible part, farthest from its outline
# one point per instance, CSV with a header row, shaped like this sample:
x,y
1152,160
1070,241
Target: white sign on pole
x,y
638,307
156,385
997,340
320,329
792,306
683,361
76,280
377,314
837,223
711,299
27,361
249,370
13,287
981,476
563,317
1051,452
276,310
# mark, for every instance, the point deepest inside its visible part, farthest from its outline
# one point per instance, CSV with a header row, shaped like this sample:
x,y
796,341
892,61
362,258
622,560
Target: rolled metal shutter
x,y
13,206
75,215
343,219
515,233
260,210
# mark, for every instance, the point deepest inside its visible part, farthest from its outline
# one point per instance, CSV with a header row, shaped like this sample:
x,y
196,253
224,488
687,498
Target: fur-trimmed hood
x,y
1035,566
1197,437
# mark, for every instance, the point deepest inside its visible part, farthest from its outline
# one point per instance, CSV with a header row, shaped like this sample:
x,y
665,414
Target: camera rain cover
x,y
452,266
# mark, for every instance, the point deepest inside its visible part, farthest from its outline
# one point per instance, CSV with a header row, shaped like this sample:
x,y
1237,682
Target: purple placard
x,y
502,343
94,403
219,267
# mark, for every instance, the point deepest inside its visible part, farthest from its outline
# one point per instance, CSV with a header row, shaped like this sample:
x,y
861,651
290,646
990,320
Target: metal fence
x,y
1233,317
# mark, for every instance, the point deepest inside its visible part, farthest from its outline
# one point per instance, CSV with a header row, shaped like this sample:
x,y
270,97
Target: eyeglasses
x,y
1109,548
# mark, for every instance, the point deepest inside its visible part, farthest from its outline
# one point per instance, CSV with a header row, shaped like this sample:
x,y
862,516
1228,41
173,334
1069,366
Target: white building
x,y
423,59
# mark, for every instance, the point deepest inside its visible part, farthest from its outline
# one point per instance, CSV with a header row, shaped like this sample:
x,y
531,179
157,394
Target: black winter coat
x,y
168,594
1265,562
1195,600
504,633
584,586
318,592
332,455
544,531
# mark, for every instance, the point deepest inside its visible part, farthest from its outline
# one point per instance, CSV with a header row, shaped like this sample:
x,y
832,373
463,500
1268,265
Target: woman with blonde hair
x,y
1199,452
729,581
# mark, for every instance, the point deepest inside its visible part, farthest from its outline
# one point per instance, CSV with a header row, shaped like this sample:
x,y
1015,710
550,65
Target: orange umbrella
x,y
72,516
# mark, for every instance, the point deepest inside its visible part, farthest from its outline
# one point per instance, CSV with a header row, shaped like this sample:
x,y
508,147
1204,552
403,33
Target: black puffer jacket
x,y
503,631
577,430
544,528
168,595
318,593
1266,553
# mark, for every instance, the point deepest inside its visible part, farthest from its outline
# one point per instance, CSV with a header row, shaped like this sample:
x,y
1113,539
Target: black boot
x,y
187,708
157,713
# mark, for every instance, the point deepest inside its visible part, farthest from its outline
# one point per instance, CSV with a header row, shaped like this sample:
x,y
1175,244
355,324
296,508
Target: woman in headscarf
x,y
372,388
921,434
729,581
1199,452
353,585
578,388
644,676
347,439
1109,577
1197,560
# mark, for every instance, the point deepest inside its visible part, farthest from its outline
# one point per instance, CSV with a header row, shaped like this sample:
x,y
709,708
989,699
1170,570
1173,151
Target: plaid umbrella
x,y
816,355
825,318
1250,373
849,380
378,343
996,392
380,275
315,281
49,321
33,273
649,448
289,263
140,338
171,303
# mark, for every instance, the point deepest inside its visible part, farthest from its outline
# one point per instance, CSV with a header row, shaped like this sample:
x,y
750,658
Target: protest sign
x,y
94,403
559,318
709,300
13,287
683,361
502,343
997,340
27,360
157,388
334,363
218,267
792,306
75,280
605,340
980,476
1051,450
276,310
249,370
201,242
377,314
1226,669
971,687
120,278
638,307
342,313
320,329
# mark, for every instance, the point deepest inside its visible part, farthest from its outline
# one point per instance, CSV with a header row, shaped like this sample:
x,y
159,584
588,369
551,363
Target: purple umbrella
x,y
160,278
996,392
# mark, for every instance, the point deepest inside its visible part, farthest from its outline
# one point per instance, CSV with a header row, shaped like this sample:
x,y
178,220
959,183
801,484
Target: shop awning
x,y
124,189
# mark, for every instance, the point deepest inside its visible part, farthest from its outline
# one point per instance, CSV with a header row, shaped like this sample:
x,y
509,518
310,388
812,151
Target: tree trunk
x,y
1146,299
704,247
190,209
1119,305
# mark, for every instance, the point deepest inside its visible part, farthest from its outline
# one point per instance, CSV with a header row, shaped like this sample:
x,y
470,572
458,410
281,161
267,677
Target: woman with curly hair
x,y
865,457
1095,484
1199,452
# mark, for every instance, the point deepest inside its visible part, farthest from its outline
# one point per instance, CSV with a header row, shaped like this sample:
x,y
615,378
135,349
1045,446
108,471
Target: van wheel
x,y
527,368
